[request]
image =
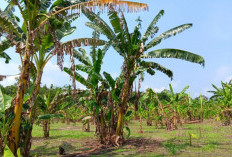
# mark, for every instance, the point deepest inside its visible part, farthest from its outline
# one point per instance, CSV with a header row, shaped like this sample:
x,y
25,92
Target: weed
x,y
171,148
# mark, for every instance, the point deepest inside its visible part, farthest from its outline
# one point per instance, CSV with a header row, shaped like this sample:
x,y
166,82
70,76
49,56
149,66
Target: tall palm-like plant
x,y
202,101
94,82
50,104
43,52
189,108
195,108
174,108
151,106
33,28
223,96
132,47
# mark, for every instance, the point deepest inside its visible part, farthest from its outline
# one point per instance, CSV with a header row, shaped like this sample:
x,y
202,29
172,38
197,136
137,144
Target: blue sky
x,y
210,37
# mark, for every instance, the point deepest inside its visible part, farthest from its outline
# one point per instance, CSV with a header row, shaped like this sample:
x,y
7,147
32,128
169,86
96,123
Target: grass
x,y
215,140
67,136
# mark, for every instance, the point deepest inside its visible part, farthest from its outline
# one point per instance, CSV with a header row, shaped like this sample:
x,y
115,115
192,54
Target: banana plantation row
x,y
109,101
166,109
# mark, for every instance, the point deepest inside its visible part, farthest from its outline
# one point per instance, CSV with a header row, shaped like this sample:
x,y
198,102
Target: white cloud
x,y
158,90
175,86
228,78
53,75
223,73
9,81
115,75
9,69
205,92
223,70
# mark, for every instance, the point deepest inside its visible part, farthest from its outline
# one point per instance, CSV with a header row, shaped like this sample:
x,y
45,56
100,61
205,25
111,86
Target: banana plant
x,y
151,107
223,96
190,108
94,82
175,107
34,27
132,47
5,124
101,106
212,109
5,119
50,104
200,106
44,47
202,103
141,109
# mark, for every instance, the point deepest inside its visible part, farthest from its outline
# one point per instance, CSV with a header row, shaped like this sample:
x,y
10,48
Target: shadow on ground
x,y
141,145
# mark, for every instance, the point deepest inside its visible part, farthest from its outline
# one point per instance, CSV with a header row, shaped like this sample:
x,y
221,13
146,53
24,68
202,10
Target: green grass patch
x,y
214,140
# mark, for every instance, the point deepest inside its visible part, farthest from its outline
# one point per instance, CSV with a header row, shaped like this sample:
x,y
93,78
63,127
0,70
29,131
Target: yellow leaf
x,y
194,136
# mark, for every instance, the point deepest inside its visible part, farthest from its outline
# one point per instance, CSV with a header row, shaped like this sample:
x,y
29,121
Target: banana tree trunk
x,y
1,145
175,120
141,125
22,84
88,126
136,103
149,121
122,110
46,128
121,116
67,119
96,122
36,89
27,142
97,125
167,122
202,113
102,129
112,129
125,95
227,116
28,137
